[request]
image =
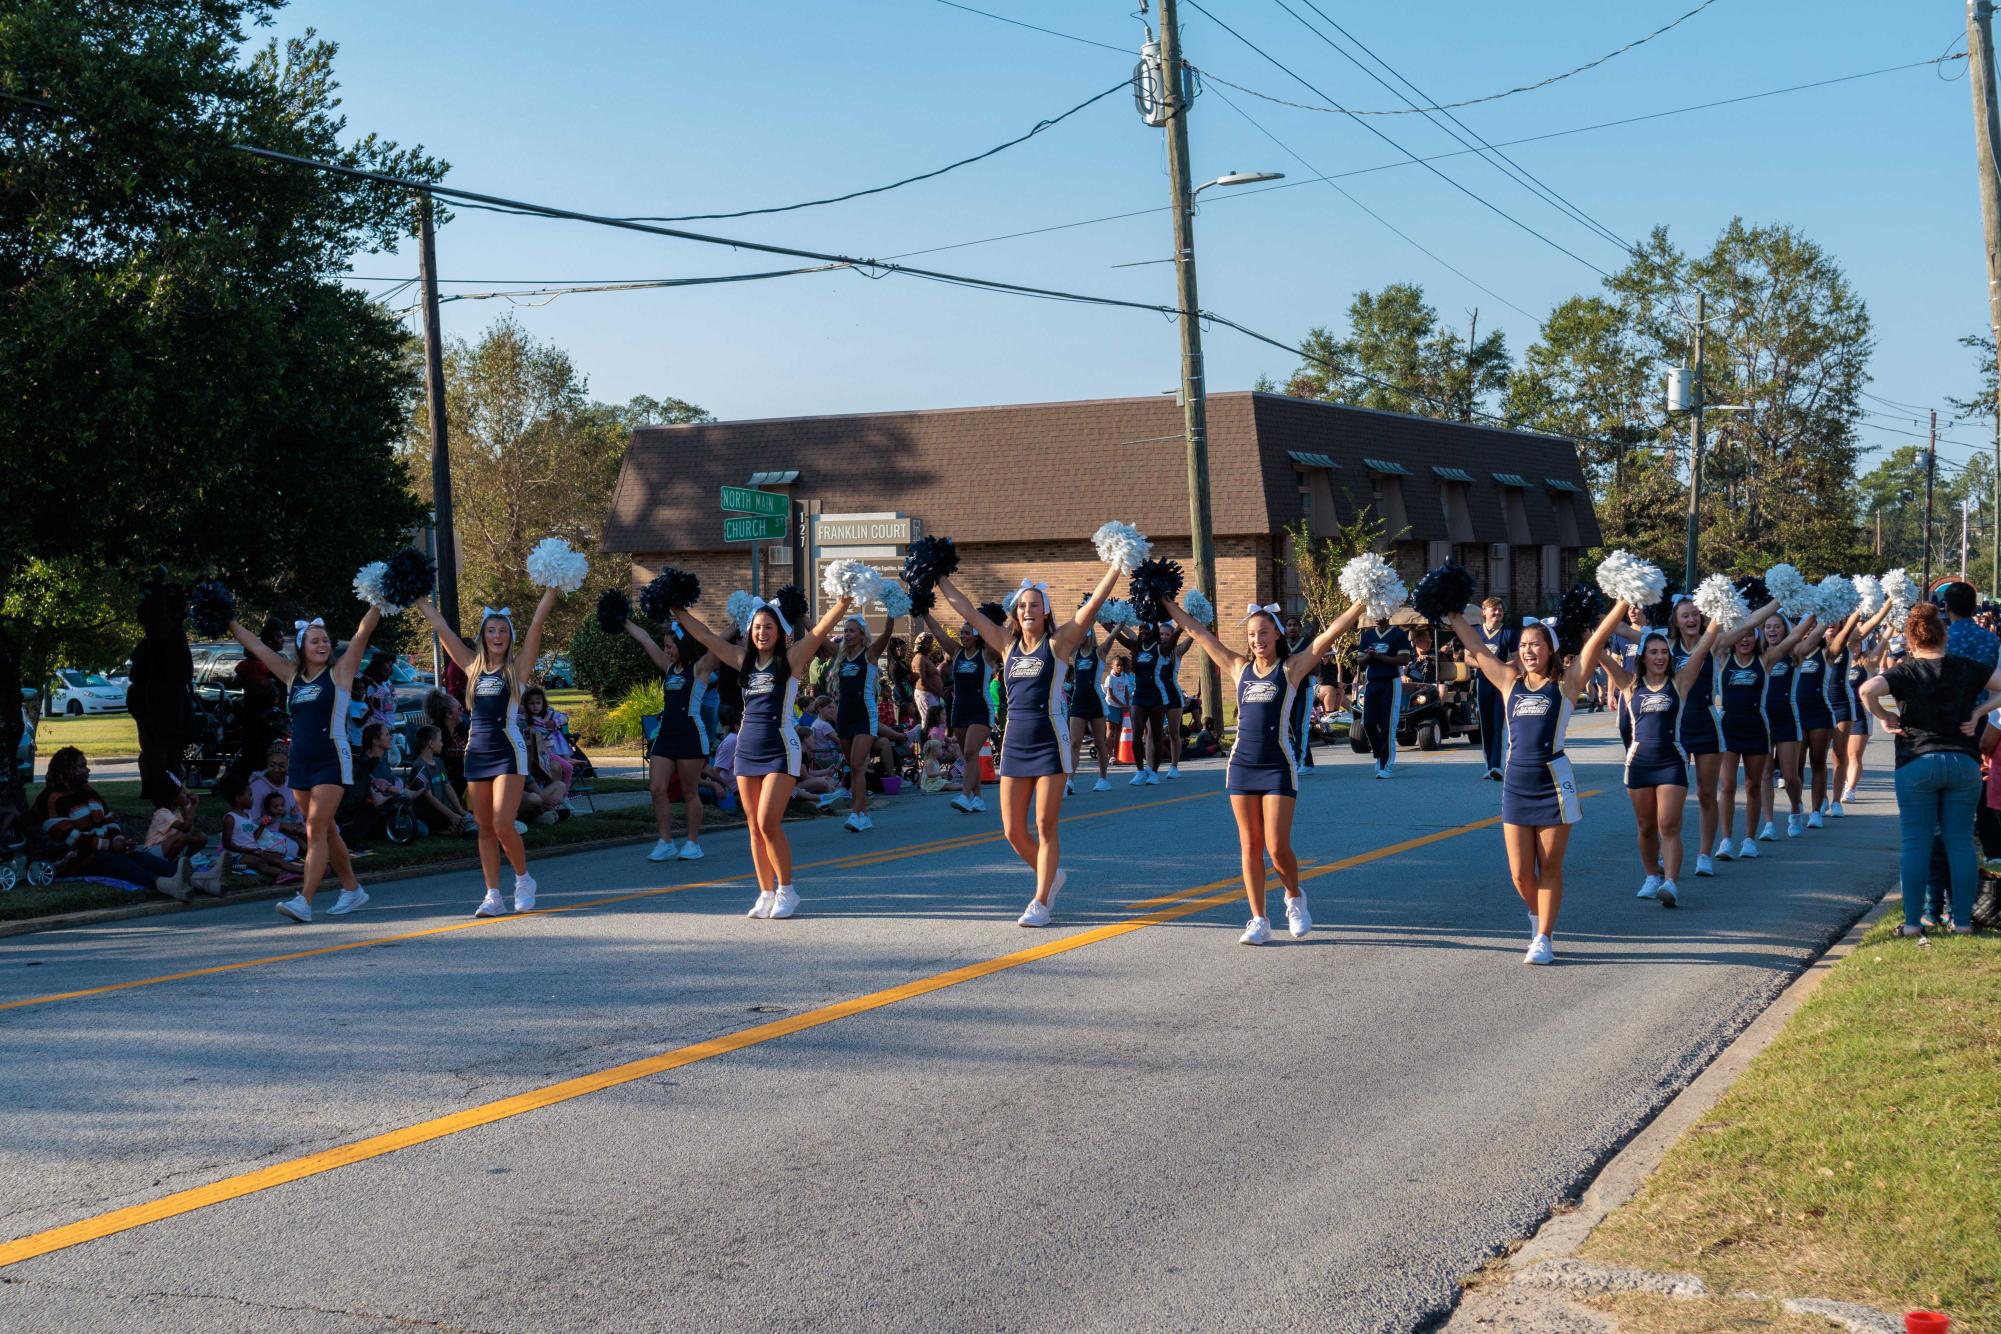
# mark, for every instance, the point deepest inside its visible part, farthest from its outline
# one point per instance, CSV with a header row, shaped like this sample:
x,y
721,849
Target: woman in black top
x,y
1940,700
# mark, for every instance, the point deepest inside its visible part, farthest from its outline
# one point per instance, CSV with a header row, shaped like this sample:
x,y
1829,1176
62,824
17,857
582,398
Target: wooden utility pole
x,y
1931,474
1987,143
447,547
1695,445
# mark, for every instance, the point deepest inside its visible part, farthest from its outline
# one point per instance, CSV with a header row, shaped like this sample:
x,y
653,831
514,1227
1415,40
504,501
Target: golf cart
x,y
1432,713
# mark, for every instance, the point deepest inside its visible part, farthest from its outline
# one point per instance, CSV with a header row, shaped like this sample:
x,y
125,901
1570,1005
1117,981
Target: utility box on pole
x,y
1679,397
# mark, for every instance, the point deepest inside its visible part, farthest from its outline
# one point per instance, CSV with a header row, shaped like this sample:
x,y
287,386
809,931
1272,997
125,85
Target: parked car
x,y
72,693
24,753
553,669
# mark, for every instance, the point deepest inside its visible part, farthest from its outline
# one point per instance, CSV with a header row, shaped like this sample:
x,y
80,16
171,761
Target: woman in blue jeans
x,y
1940,699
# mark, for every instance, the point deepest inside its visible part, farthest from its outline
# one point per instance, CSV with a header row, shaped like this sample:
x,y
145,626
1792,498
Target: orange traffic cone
x,y
1126,741
987,772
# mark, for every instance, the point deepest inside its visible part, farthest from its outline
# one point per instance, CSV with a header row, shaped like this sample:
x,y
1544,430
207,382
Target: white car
x,y
74,693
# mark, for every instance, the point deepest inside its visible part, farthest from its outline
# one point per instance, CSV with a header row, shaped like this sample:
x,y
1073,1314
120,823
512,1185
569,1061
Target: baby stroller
x,y
24,853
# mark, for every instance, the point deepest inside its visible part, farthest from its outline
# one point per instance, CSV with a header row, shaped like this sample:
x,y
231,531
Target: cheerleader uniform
x,y
1742,688
1493,733
1036,743
320,750
1810,693
1538,787
1085,701
1654,757
1782,715
1857,674
494,745
683,735
969,689
1262,762
1146,677
1840,704
854,697
1699,734
1382,694
767,743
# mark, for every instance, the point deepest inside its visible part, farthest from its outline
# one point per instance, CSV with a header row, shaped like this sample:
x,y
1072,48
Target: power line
x,y
1066,36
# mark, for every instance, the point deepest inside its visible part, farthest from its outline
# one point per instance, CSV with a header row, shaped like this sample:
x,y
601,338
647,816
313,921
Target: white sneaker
x,y
1668,894
1703,866
962,802
1298,921
1793,825
1152,778
762,908
297,908
691,851
784,903
1766,834
1389,768
1834,810
853,824
1172,771
1540,951
1382,773
1723,852
1257,931
349,900
1102,785
1036,914
663,849
491,905
1139,778
520,827
524,893
1813,820
868,821
979,803
1649,888
1746,849
1069,788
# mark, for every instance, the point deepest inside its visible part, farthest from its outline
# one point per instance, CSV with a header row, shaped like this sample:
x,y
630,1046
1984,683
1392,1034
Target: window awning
x,y
1387,467
1452,474
784,478
1558,484
1511,479
1306,460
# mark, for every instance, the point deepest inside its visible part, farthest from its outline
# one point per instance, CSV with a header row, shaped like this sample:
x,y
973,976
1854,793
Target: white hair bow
x,y
1026,585
1269,609
758,604
504,613
299,628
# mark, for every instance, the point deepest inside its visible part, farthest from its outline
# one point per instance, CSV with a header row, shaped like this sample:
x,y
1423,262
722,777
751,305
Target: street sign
x,y
743,500
752,528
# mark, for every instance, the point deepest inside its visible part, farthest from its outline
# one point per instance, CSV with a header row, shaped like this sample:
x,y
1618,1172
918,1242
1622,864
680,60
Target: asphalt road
x,y
883,1114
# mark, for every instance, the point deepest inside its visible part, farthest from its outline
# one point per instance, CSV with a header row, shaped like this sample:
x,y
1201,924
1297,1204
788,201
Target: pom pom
x,y
654,604
922,601
1577,616
854,580
1718,599
1117,614
792,606
1754,590
739,608
1869,591
1373,581
1154,583
1122,545
895,601
553,565
1902,591
368,582
211,607
1795,595
1835,597
994,612
1626,578
411,575
929,560
1198,606
671,590
614,610
1443,592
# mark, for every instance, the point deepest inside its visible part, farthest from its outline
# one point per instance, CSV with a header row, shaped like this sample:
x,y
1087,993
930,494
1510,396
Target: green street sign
x,y
743,500
752,528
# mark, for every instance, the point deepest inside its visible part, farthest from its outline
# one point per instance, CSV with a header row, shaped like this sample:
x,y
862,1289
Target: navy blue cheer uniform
x,y
1840,704
1146,676
1171,697
1036,743
1699,733
854,696
494,744
1493,729
1810,692
320,751
683,735
1782,715
969,689
1742,688
1085,701
1537,788
1857,674
1262,762
767,742
1382,699
1654,758
1299,719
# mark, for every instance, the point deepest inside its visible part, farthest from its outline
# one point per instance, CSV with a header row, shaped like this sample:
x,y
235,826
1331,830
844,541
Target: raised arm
x,y
1841,637
531,643
1072,633
1872,693
1784,647
1324,641
277,663
809,643
1698,659
1594,649
1226,661
937,630
1614,669
645,641
1499,674
725,652
881,645
990,634
1809,636
357,649
455,648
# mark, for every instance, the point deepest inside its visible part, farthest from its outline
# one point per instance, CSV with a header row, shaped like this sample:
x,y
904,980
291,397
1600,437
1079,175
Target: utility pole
x,y
1695,440
1931,473
1962,534
434,391
1987,143
1194,386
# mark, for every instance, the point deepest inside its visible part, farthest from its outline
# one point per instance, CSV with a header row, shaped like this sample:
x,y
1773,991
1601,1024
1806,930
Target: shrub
x,y
621,727
609,666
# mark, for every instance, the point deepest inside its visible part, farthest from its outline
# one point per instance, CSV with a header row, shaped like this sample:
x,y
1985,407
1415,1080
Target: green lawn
x,y
1859,1158
107,736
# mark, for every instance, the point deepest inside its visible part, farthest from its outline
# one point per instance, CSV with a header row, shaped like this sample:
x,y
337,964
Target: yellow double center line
x,y
1184,903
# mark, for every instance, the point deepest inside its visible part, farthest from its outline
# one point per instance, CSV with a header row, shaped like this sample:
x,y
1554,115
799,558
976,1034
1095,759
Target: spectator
x,y
823,742
928,690
725,761
380,692
273,779
445,713
436,801
546,732
371,799
72,813
941,764
271,836
172,831
1206,740
1118,692
1964,638
543,793
240,834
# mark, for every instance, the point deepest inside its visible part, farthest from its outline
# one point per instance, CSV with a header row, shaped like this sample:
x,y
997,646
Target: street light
x,y
1239,178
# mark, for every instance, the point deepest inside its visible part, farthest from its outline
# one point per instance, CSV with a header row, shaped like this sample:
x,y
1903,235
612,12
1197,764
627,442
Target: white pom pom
x,y
368,584
1198,606
553,565
1836,598
1795,595
1122,545
895,600
855,580
1373,581
1869,589
1626,578
1718,599
1902,591
1116,614
740,607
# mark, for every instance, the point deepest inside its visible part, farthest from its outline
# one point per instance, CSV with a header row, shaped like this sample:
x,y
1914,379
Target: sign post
x,y
755,517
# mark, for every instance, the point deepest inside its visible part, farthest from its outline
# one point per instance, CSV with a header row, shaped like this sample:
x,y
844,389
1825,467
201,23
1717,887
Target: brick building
x,y
1021,488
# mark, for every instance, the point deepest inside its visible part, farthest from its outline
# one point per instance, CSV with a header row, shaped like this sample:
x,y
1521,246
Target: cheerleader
x,y
1868,662
1749,735
1263,774
1384,650
1149,702
856,683
1172,701
767,743
496,757
1538,791
1699,735
683,744
1817,703
971,719
1498,638
322,765
1087,711
1851,720
1656,770
1034,761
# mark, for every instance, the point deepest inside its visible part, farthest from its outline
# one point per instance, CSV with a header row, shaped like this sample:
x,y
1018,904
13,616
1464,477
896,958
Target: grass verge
x,y
107,735
1859,1157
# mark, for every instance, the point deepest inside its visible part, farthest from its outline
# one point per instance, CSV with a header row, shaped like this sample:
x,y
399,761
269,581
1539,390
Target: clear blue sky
x,y
675,108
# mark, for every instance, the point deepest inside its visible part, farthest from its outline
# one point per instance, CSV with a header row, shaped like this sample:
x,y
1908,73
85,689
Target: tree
x,y
192,385
1398,358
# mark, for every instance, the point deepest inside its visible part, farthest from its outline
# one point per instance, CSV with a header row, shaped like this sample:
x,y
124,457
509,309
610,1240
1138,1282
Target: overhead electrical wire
x,y
1066,36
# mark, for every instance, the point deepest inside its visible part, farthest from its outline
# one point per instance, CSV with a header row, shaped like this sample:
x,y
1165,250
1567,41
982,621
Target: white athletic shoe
x,y
491,905
1649,888
979,803
1069,788
524,893
1834,810
1152,778
691,851
297,908
1723,852
1257,931
762,908
663,850
1382,772
1668,894
868,822
1813,820
784,903
349,900
1298,921
1171,771
1139,778
520,827
1793,825
1766,833
962,802
1056,885
1704,865
1102,785
1036,914
1540,951
853,824
1389,768
1747,849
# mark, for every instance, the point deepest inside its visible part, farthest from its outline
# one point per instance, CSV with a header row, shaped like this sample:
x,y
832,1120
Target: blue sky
x,y
677,108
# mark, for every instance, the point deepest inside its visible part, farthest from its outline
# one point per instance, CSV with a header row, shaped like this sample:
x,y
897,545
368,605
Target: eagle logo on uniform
x,y
307,694
1025,667
1656,704
759,683
1531,706
1260,692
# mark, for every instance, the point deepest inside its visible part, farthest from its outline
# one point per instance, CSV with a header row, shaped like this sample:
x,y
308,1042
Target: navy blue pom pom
x,y
411,575
614,610
211,607
1444,591
929,560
